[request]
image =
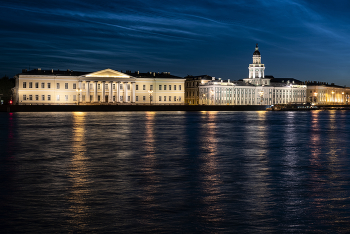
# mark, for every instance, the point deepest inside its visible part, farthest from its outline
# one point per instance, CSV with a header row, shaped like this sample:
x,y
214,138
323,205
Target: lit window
x,y
58,97
121,98
66,98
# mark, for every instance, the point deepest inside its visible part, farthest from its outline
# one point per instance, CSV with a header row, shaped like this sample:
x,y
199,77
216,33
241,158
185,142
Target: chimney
x,y
228,81
154,74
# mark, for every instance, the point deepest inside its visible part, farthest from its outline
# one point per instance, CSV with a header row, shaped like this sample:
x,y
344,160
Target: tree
x,y
6,85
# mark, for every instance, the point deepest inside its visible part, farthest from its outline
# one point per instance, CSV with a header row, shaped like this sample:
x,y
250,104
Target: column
x,y
125,92
95,91
118,91
103,99
87,95
110,97
79,92
133,92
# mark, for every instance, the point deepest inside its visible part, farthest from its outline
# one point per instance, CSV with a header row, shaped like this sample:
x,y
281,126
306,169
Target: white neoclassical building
x,y
54,87
255,90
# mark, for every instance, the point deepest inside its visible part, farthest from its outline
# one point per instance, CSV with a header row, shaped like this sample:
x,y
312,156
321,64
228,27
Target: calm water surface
x,y
175,172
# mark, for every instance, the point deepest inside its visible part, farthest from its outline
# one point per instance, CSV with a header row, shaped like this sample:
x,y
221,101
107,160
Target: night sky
x,y
306,40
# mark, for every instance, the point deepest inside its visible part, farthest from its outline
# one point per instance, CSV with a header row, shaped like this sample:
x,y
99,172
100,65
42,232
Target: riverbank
x,y
107,108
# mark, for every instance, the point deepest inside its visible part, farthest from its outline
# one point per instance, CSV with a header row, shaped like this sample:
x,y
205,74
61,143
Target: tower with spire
x,y
257,70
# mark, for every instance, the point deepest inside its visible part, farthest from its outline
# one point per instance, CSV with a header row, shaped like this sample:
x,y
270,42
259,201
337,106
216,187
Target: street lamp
x,y
261,96
212,96
78,91
150,96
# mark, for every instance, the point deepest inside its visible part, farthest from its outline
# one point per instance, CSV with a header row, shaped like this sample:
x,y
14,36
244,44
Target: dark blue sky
x,y
306,40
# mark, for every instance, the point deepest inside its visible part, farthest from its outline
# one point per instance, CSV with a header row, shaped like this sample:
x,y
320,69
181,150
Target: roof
x,y
285,80
152,75
201,77
53,72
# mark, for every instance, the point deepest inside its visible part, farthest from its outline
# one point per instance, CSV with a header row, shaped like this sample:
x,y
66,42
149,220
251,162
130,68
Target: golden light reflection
x,y
78,174
209,169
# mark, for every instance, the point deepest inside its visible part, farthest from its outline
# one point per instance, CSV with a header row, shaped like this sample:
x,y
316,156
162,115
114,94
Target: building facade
x,y
192,88
49,87
255,90
320,93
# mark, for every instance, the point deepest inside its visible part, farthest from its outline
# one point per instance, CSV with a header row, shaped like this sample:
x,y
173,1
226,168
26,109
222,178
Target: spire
x,y
256,52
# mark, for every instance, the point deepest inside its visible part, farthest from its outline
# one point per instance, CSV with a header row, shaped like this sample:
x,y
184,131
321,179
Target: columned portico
x,y
103,98
125,99
87,96
118,91
110,97
95,91
133,92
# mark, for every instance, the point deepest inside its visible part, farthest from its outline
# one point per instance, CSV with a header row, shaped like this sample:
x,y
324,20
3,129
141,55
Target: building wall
x,y
328,95
45,90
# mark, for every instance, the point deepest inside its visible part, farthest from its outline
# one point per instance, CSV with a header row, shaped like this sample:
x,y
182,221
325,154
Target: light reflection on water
x,y
196,172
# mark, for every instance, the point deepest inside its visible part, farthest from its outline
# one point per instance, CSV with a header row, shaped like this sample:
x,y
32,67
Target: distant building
x,y
50,87
192,88
322,93
255,90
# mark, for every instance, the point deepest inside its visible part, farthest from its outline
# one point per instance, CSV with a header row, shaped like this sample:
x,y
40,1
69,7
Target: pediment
x,y
108,73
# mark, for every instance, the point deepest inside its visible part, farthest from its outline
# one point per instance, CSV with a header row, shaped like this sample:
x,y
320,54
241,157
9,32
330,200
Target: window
x,y
66,98
160,98
30,85
144,87
121,86
49,85
151,87
49,97
91,98
121,98
30,97
179,87
58,97
160,87
43,97
164,87
144,98
137,98
128,98
74,86
137,88
58,87
24,85
179,98
106,86
113,86
24,97
165,98
98,86
174,97
113,98
91,86
42,85
66,85
83,85
128,86
74,97
169,98
83,98
169,87
36,97
36,85
99,98
174,87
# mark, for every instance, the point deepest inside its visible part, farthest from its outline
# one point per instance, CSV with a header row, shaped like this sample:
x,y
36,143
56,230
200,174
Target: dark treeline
x,y
6,85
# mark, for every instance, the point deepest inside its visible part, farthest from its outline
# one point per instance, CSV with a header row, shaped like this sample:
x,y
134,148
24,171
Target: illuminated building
x,y
49,87
255,90
322,93
192,88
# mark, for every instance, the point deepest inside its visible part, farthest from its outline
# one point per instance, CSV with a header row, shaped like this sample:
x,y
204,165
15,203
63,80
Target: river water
x,y
175,172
